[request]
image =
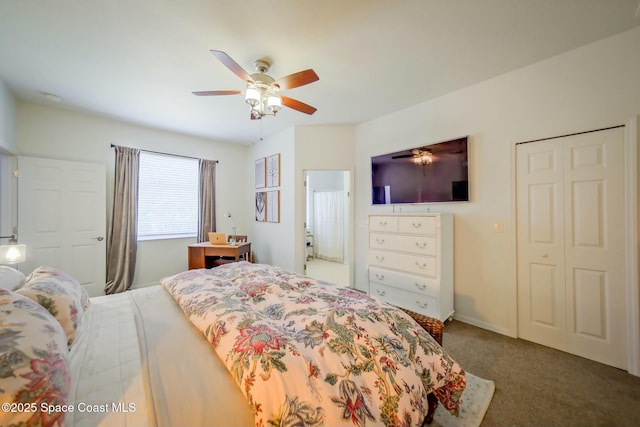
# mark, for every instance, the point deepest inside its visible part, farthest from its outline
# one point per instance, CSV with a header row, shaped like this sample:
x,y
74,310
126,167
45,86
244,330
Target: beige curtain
x,y
123,243
207,199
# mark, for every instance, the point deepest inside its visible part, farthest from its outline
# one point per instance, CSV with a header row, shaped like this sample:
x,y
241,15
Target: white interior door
x,y
571,264
62,218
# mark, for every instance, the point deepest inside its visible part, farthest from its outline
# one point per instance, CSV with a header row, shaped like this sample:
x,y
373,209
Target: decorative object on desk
x,y
260,173
273,171
261,209
233,226
273,206
13,253
217,238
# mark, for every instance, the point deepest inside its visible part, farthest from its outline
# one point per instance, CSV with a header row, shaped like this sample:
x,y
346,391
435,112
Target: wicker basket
x,y
434,326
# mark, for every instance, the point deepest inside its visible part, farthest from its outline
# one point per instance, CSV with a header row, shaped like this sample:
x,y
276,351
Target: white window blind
x,y
167,196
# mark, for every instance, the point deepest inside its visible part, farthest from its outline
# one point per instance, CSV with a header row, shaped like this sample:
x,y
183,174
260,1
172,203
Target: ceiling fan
x,y
418,156
262,90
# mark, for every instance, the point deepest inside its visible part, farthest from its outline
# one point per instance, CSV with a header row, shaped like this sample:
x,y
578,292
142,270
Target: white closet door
x,y
571,290
62,218
541,264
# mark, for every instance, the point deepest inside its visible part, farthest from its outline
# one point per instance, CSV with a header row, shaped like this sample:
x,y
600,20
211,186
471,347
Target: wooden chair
x,y
225,260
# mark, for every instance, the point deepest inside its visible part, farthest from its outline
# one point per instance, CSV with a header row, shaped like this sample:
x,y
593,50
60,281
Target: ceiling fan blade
x,y
297,105
232,65
298,79
217,92
403,156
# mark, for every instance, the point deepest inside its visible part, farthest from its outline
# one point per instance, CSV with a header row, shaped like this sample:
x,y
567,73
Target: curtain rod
x,y
168,154
570,134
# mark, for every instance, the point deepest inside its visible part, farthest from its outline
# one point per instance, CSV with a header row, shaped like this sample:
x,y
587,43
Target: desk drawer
x,y
420,245
414,264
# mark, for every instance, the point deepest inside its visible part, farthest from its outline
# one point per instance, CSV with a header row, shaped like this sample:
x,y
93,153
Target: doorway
x,y
327,220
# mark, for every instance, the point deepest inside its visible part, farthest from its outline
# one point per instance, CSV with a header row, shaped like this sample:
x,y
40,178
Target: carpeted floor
x,y
540,386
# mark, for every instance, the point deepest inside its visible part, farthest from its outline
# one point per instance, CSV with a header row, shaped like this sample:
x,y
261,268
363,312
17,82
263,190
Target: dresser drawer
x,y
420,245
404,281
383,223
426,225
419,303
414,264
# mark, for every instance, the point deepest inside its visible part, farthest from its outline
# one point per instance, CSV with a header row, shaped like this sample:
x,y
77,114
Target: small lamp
x,y
233,227
13,253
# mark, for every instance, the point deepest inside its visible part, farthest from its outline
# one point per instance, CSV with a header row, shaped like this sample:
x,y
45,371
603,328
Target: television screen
x,y
426,174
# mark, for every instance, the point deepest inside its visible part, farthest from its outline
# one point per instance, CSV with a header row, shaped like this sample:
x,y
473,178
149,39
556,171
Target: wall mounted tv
x,y
426,174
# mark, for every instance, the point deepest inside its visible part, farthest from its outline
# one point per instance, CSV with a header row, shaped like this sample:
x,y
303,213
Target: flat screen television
x,y
427,174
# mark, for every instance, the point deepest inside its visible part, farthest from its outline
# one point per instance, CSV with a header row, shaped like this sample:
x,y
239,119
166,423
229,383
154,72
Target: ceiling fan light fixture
x,y
274,103
252,96
423,158
261,93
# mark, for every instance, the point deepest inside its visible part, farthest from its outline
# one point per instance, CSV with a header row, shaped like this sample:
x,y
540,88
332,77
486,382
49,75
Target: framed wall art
x,y
261,206
260,172
273,206
273,171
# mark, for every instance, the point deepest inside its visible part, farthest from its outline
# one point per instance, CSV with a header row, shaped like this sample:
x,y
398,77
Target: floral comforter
x,y
308,353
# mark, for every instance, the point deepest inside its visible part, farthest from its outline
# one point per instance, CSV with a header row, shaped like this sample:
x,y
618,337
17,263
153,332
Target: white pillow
x,y
10,278
60,294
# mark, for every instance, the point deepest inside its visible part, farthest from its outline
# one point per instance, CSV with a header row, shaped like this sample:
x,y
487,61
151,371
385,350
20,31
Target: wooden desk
x,y
199,252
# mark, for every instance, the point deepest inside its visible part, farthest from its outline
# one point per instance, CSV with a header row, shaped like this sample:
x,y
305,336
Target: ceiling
x,y
140,60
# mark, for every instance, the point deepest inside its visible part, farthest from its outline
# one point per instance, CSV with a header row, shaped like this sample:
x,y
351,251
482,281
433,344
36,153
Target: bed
x,y
242,344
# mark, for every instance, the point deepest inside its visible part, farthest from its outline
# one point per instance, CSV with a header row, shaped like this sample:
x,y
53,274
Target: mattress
x,y
138,361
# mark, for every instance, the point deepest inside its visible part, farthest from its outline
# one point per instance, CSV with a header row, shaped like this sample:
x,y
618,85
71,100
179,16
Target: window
x,y
167,196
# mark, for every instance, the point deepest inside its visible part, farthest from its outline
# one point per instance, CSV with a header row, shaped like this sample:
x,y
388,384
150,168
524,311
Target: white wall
x,y
589,88
302,148
60,134
271,242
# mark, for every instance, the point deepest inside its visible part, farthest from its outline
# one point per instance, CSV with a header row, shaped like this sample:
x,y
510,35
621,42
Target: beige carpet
x,y
475,402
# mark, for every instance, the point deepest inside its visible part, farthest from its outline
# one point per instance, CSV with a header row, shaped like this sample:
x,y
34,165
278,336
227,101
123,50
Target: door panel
x,y
596,304
570,216
540,227
62,213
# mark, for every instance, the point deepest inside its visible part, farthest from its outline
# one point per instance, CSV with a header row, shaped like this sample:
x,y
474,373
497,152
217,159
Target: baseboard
x,y
484,325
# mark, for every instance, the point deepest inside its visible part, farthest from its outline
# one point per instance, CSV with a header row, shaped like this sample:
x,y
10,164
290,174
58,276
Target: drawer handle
x,y
380,241
383,224
422,304
421,265
380,258
379,276
421,245
421,286
416,224
381,293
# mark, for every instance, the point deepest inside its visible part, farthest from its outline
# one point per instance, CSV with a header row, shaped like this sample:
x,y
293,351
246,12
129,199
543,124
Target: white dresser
x,y
411,261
